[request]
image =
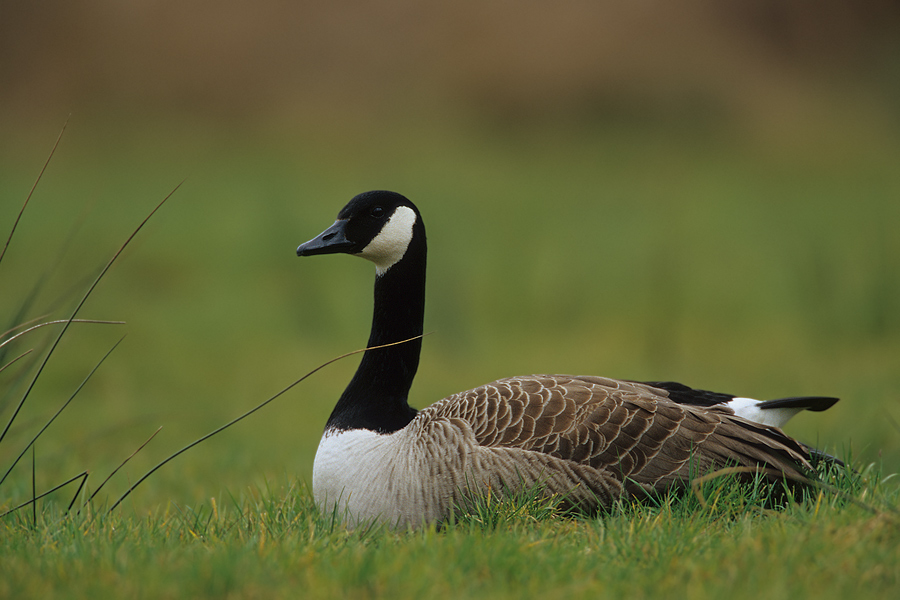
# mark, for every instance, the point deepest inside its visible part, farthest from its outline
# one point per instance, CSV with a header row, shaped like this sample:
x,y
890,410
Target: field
x,y
747,268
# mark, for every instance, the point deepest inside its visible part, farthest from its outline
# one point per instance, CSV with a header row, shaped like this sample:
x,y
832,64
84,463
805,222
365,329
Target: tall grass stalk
x,y
53,346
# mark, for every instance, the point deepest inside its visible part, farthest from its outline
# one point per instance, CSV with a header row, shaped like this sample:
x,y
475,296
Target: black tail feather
x,y
813,403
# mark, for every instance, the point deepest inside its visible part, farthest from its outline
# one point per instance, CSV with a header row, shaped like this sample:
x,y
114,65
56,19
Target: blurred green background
x,y
706,192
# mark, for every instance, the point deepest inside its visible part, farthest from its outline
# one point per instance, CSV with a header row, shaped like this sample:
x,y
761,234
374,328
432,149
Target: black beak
x,y
330,241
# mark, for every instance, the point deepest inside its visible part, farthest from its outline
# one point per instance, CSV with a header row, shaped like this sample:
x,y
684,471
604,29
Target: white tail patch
x,y
388,247
749,409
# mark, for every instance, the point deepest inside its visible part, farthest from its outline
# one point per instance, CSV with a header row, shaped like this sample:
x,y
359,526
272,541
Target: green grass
x,y
274,543
734,267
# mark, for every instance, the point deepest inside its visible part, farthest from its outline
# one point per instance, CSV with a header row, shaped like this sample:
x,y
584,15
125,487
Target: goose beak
x,y
330,241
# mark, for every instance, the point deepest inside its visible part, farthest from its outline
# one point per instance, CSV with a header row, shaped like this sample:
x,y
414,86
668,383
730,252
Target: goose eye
x,y
377,212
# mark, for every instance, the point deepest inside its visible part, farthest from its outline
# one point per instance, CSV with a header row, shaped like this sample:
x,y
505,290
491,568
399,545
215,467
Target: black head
x,y
376,225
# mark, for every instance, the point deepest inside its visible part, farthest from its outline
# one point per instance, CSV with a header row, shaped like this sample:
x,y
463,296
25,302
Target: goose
x,y
590,440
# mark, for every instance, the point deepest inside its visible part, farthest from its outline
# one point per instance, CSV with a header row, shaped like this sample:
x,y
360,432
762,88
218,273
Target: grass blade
x,y
78,491
58,321
116,470
17,321
33,486
250,412
13,361
61,408
47,493
31,192
78,308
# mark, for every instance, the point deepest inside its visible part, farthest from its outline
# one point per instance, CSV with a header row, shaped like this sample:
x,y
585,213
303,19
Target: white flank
x,y
389,246
748,408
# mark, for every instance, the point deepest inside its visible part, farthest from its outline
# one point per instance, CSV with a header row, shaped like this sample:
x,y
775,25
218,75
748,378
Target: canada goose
x,y
590,439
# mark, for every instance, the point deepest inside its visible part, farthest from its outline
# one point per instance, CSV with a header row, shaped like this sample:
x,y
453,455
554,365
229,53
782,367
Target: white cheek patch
x,y
389,246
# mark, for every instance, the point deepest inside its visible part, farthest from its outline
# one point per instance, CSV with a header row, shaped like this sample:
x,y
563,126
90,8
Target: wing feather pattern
x,y
591,438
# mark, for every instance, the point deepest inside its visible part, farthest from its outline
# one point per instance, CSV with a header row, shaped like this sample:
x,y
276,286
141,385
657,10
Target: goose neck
x,y
376,397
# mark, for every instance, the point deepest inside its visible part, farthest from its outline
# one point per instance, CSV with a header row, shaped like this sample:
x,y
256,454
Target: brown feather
x,y
594,437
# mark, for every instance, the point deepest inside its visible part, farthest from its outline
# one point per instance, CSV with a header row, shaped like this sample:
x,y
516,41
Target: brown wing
x,y
629,430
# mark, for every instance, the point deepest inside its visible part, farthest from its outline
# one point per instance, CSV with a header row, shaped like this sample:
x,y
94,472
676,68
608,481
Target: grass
x,y
274,543
694,259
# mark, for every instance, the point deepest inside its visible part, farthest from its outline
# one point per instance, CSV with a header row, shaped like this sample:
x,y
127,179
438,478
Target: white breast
x,y
402,478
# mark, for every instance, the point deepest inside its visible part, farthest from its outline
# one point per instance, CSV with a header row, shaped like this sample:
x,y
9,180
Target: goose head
x,y
379,226
385,228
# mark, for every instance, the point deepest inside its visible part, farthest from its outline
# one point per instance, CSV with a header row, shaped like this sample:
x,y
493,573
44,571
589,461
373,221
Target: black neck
x,y
376,397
